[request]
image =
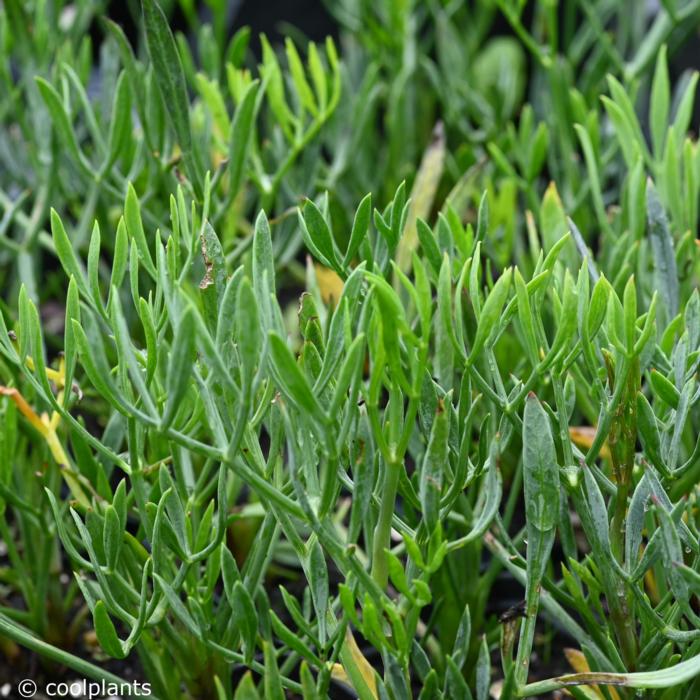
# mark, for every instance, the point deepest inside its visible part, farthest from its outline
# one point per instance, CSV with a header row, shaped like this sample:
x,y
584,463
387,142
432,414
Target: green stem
x,y
382,531
622,441
297,148
664,678
536,563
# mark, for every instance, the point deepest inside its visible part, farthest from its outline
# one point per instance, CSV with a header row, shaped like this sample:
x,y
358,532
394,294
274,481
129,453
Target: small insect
x,y
511,613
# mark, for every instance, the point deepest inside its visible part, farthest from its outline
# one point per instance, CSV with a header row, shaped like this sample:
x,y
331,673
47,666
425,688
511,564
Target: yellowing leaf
x,y
577,660
583,436
329,284
47,428
338,674
356,670
652,588
25,409
56,376
579,663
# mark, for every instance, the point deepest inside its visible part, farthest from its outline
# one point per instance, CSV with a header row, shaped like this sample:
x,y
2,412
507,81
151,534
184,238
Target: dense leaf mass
x,y
358,368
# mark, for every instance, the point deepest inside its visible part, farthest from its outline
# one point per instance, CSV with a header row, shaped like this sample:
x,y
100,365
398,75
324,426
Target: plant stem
x,y
622,441
382,531
536,563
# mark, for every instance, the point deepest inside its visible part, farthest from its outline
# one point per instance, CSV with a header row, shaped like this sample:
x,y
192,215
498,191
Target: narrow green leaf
x,y
635,522
94,361
460,648
483,671
134,227
292,380
170,78
93,267
433,467
246,689
541,472
242,131
335,346
593,175
684,112
349,371
274,87
429,245
263,259
665,271
491,314
112,537
120,259
247,329
150,334
66,254
106,633
120,126
247,619
526,319
320,234
664,389
649,436
180,365
360,227
292,640
317,574
62,124
301,85
272,680
672,552
595,313
659,103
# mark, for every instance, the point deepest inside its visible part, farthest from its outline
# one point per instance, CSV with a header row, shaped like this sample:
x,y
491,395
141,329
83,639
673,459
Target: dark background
x,y
268,16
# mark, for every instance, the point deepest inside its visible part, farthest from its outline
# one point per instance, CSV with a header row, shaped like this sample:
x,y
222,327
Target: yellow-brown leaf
x,y
579,663
330,285
583,436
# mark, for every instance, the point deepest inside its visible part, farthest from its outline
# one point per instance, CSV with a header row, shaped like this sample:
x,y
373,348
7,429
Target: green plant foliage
x,y
305,350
